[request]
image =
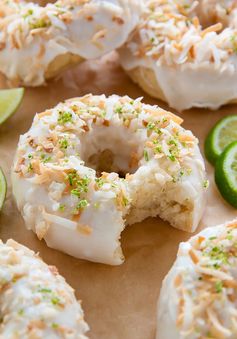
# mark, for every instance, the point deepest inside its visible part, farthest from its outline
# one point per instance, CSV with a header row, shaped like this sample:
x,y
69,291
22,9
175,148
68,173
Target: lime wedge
x,y
220,136
226,174
10,100
3,188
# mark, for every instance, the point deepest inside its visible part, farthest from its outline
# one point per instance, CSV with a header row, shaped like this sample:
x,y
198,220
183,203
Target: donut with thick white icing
x,y
36,43
82,212
36,302
184,52
198,298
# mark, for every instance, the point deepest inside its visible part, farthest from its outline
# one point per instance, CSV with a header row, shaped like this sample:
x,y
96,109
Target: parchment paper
x,y
119,302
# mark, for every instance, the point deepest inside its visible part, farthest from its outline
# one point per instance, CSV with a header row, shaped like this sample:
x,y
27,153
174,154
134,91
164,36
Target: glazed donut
x,y
184,52
36,302
66,174
198,296
36,43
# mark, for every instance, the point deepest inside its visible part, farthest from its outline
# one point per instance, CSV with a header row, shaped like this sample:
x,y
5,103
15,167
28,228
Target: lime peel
x,y
3,188
226,174
10,100
220,136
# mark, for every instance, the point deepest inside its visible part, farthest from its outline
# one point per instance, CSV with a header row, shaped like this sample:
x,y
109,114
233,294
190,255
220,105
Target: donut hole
x,y
115,149
104,161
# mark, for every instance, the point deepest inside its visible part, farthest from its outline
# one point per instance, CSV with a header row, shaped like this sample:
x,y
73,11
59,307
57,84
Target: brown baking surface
x,y
120,301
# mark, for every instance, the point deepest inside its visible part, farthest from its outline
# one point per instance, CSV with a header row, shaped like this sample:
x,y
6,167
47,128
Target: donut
x,y
184,52
93,164
36,302
198,296
37,43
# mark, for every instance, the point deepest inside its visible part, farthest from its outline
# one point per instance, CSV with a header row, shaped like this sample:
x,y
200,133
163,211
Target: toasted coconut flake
x,y
84,229
214,28
178,280
193,256
221,331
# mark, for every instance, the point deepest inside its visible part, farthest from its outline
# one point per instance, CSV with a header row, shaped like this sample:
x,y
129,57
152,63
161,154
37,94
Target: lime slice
x,y
3,188
220,136
10,99
226,174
